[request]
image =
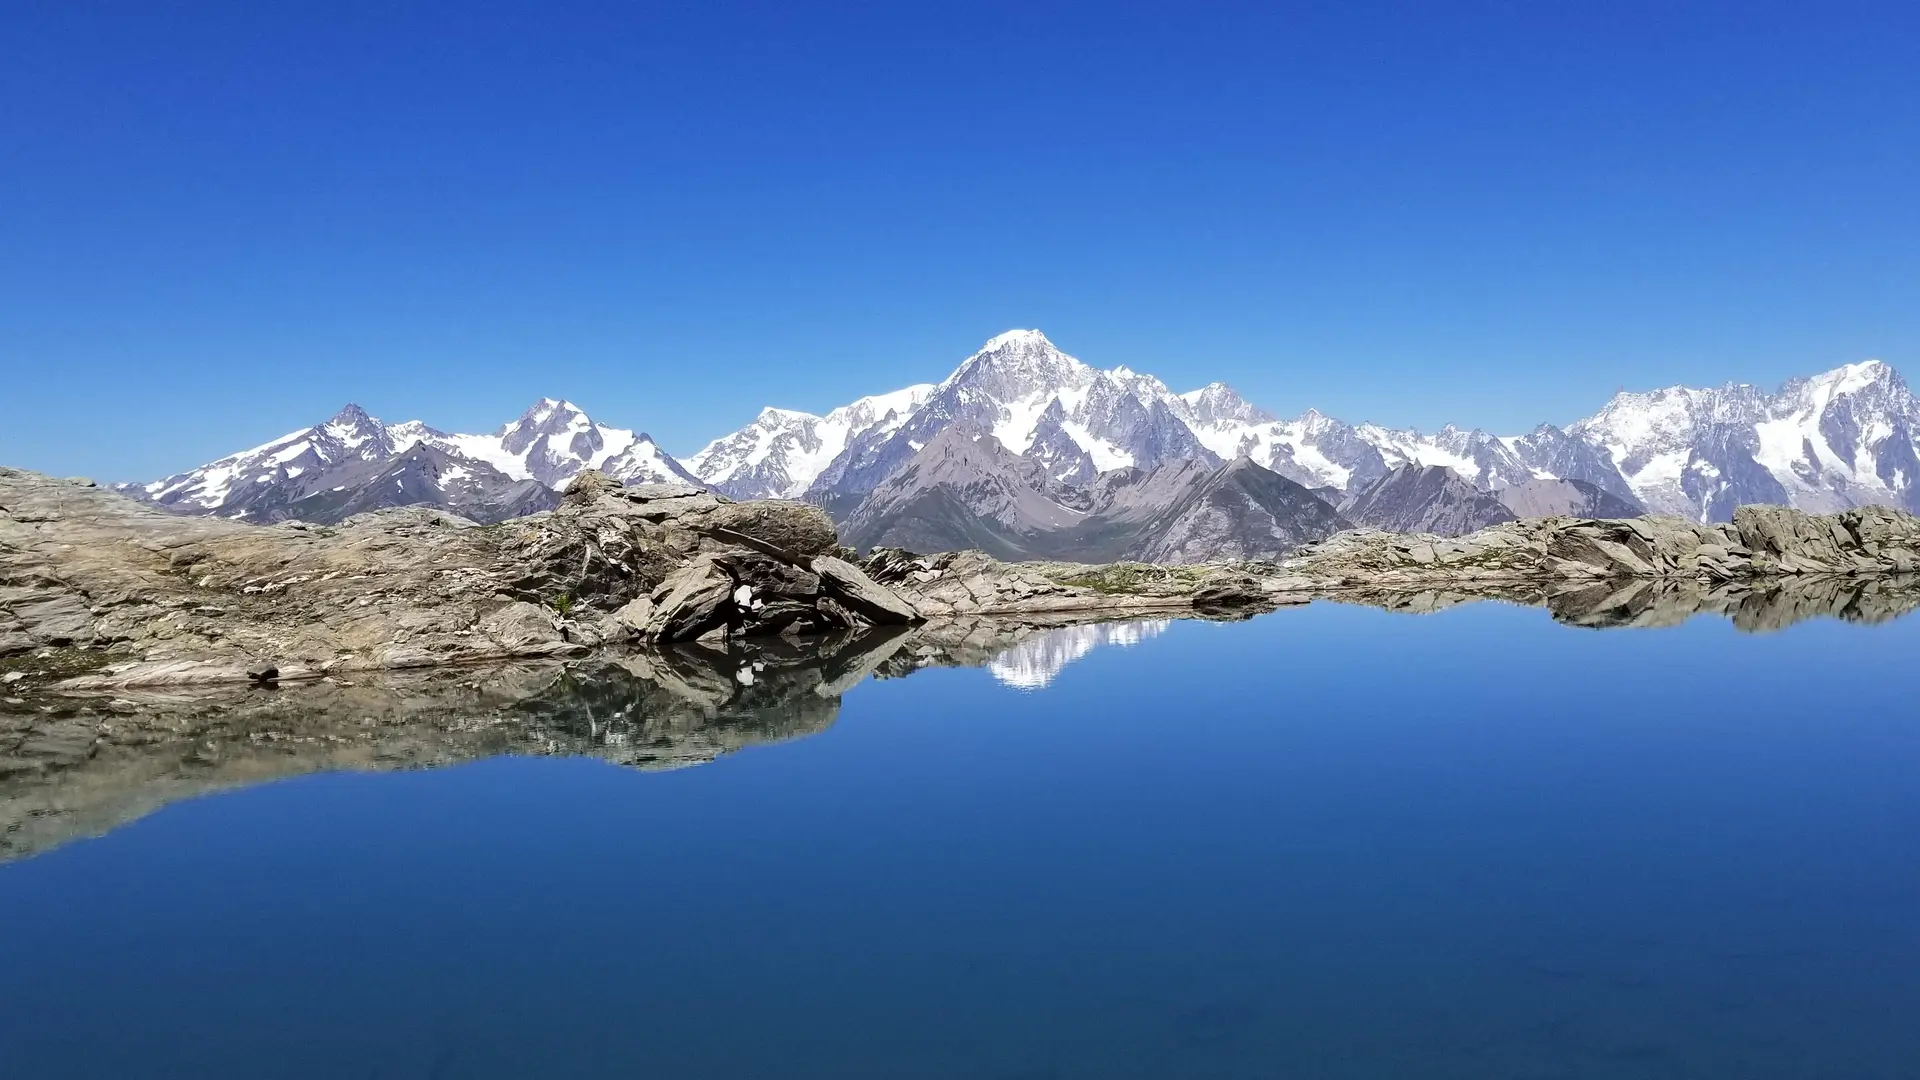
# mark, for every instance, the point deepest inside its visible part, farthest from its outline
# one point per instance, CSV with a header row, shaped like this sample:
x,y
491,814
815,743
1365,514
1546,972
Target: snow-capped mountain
x,y
1842,438
779,455
1314,449
1039,403
1838,439
553,441
353,460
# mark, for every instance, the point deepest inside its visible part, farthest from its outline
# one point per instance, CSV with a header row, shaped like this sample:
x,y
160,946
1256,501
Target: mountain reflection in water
x,y
74,767
1032,664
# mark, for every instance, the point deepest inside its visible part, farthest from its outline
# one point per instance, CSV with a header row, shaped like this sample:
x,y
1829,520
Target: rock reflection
x,y
1754,607
1778,604
79,766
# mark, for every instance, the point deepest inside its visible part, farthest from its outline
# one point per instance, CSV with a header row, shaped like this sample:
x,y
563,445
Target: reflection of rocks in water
x,y
1754,605
1033,663
1777,603
72,767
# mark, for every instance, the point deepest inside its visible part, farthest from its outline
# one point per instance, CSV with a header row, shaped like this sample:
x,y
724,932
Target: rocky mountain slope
x,y
1567,498
964,490
1424,499
148,598
1240,511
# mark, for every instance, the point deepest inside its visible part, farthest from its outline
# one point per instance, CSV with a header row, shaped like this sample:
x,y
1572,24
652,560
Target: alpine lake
x,y
1473,840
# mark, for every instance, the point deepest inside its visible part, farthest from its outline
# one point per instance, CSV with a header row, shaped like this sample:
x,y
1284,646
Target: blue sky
x,y
219,223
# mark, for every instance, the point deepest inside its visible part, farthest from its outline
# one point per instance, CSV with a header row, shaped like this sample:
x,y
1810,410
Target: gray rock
x,y
50,616
767,577
694,601
861,594
636,615
1229,592
795,531
522,629
651,492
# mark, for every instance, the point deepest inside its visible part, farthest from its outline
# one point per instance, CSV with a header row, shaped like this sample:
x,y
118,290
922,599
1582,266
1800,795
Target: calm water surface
x,y
1334,842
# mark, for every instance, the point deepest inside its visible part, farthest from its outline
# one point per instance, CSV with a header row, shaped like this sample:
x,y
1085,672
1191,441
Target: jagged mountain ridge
x,y
1424,499
1844,437
353,462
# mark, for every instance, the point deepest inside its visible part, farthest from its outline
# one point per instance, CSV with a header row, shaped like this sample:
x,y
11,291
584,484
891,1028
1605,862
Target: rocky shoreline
x,y
99,593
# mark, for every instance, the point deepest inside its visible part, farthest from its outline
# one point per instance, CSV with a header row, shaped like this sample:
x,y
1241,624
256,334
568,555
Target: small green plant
x,y
563,604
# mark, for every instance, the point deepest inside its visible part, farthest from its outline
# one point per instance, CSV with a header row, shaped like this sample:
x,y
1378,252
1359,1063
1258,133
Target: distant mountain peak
x,y
1217,402
1031,338
351,415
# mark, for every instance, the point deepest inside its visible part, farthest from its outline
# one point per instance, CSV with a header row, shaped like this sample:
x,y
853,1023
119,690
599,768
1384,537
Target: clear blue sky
x,y
219,223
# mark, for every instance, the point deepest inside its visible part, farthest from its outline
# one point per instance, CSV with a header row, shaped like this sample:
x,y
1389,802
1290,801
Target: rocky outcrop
x,y
108,593
969,584
1760,542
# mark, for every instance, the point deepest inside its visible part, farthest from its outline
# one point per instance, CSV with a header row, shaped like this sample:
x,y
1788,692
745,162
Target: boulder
x,y
634,616
767,576
794,531
861,595
586,487
679,506
50,616
773,617
652,492
693,601
1229,592
522,629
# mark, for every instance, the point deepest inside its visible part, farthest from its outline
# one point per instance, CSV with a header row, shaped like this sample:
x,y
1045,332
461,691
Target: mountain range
x,y
1025,451
354,463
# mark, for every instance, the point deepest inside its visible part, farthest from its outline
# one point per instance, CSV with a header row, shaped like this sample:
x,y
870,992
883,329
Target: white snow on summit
x,y
781,453
1845,437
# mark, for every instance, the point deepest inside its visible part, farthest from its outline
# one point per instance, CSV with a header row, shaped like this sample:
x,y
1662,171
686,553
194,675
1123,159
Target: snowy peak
x,y
782,452
354,462
1840,438
1034,399
1845,437
1218,403
1018,365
